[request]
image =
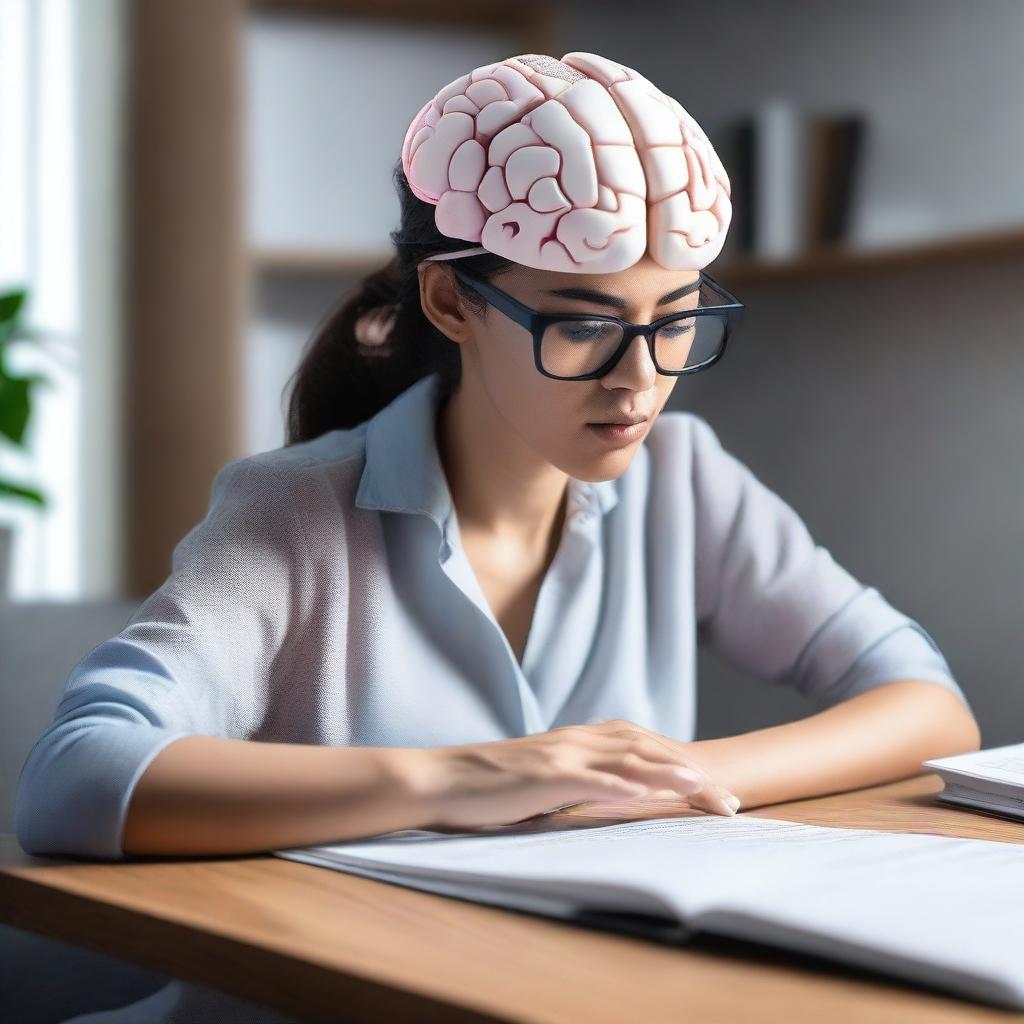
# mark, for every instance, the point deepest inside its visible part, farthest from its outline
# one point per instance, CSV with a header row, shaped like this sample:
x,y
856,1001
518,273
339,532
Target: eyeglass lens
x,y
571,348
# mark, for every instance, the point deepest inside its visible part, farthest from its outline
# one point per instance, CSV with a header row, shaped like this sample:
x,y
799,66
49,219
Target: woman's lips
x,y
618,433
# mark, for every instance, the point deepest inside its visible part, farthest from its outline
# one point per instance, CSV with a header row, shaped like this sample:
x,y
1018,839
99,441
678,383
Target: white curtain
x,y
60,99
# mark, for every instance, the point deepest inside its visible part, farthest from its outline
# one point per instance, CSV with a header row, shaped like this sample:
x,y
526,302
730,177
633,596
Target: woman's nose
x,y
635,369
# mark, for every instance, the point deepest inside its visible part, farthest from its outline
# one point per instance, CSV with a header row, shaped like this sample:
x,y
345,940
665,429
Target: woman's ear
x,y
442,305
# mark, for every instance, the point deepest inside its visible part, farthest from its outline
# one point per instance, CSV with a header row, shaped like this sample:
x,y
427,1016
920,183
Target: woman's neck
x,y
499,486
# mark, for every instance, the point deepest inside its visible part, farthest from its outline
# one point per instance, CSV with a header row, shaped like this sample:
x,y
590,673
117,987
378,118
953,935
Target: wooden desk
x,y
307,939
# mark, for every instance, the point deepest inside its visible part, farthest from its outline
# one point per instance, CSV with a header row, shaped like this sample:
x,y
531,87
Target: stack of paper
x,y
992,780
948,912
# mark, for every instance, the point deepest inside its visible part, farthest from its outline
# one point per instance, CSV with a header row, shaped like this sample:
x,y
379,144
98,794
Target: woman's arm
x,y
878,736
216,795
170,703
211,795
775,604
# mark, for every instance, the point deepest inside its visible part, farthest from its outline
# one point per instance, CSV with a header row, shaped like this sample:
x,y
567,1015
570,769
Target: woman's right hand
x,y
505,781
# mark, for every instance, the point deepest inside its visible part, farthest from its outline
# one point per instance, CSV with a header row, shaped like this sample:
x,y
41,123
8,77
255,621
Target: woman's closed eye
x,y
677,330
587,330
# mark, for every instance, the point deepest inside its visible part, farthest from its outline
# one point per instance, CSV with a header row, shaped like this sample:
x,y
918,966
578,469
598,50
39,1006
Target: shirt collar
x,y
403,471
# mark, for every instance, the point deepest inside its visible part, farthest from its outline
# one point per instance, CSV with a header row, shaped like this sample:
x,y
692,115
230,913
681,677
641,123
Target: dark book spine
x,y
844,155
818,181
743,185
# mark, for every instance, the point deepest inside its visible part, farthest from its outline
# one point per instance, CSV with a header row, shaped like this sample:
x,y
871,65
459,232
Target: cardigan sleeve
x,y
193,659
771,601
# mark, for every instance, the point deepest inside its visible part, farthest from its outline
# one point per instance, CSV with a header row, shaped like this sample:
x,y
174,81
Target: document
x,y
991,780
948,912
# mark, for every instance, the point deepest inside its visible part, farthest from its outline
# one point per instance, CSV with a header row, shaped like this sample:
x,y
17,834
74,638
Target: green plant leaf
x,y
12,330
14,408
11,303
26,493
11,327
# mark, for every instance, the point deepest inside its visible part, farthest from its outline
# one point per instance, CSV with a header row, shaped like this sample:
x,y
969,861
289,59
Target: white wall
x,y
329,101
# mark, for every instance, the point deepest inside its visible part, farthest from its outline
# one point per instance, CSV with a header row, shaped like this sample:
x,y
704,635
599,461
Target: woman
x,y
459,596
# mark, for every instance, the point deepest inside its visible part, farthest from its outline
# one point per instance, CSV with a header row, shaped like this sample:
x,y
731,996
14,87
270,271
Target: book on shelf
x,y
943,911
835,148
740,147
794,180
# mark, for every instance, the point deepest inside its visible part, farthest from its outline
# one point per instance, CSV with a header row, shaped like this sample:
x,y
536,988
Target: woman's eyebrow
x,y
604,299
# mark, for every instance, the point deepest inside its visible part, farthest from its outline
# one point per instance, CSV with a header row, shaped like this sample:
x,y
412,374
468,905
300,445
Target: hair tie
x,y
373,327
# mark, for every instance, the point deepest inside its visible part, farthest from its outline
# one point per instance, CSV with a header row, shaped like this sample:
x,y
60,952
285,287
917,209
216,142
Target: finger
x,y
658,753
704,794
586,786
653,749
654,774
709,796
712,798
593,784
672,747
619,727
730,798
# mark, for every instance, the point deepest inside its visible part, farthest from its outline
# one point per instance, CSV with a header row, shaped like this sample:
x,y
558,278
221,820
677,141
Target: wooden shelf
x,y
733,272
534,20
841,262
317,263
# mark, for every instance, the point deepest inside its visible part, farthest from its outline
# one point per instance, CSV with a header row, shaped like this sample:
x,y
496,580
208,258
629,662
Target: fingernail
x,y
733,802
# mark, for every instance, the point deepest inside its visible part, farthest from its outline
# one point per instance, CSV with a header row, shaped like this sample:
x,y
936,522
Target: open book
x,y
992,780
945,911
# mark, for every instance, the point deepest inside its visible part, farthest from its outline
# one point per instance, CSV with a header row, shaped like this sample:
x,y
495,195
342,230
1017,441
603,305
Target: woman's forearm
x,y
878,736
215,795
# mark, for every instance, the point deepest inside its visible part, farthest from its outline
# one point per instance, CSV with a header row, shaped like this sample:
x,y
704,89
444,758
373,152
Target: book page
x,y
567,870
998,764
918,905
943,910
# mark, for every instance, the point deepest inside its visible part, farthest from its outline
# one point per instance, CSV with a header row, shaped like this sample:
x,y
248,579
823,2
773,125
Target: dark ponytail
x,y
349,372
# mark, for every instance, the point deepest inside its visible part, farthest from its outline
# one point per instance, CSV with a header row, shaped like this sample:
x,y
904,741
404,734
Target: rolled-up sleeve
x,y
772,602
192,660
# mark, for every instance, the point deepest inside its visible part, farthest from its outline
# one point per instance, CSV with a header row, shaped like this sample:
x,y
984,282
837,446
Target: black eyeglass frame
x,y
536,323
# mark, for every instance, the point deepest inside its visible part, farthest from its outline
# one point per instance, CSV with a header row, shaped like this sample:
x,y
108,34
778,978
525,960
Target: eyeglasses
x,y
586,346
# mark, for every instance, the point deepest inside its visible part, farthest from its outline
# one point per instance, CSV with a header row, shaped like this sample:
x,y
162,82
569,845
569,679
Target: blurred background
x,y
187,189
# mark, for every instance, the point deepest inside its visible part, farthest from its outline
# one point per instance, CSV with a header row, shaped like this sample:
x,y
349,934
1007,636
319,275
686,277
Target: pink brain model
x,y
576,165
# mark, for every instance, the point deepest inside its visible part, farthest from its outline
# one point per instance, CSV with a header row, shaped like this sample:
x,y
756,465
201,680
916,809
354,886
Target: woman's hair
x,y
350,371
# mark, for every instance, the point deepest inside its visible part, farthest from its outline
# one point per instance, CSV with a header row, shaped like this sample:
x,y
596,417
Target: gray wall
x,y
888,413
40,642
940,80
886,409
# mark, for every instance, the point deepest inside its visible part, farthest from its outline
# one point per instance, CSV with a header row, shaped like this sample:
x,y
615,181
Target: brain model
x,y
576,165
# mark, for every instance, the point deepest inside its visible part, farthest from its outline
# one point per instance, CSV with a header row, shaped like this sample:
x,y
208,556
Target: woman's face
x,y
550,416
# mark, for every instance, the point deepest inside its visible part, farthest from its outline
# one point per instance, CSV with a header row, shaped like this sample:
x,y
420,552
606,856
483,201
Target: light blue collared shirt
x,y
325,598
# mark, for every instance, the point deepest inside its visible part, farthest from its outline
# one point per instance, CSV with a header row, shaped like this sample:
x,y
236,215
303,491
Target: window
x,y
58,99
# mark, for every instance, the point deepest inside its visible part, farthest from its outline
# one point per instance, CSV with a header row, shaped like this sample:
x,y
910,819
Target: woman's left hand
x,y
662,803
700,802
